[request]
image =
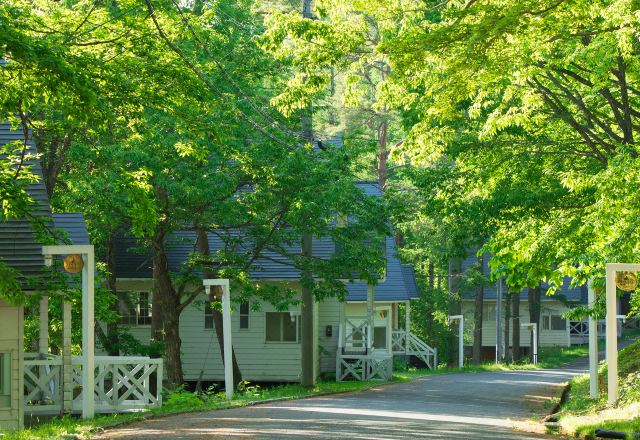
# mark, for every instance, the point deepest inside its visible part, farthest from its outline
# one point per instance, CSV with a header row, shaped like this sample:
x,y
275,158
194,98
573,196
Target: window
x,y
280,327
488,312
380,337
244,315
135,309
5,380
208,314
553,322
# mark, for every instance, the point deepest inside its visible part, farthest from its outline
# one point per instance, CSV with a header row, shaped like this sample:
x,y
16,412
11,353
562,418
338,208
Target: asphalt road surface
x,y
451,406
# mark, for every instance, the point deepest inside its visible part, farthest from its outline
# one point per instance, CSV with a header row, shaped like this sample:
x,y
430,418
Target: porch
x,y
367,343
56,383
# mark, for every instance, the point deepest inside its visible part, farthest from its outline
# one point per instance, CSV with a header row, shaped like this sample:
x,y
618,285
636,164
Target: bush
x,y
629,359
400,364
180,398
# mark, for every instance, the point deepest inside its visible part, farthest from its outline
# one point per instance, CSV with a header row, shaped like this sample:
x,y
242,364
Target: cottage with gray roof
x,y
266,340
554,328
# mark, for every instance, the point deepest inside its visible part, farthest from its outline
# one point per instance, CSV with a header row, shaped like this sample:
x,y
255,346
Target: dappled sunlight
x,y
494,405
356,428
404,415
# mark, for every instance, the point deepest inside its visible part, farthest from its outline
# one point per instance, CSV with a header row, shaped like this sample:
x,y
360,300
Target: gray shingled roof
x,y
18,245
132,263
394,287
399,284
573,294
74,225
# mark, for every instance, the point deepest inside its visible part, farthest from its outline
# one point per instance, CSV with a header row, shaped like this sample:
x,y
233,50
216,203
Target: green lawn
x,y
176,403
549,357
582,416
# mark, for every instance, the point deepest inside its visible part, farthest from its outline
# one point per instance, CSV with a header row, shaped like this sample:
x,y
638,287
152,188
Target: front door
x,y
381,327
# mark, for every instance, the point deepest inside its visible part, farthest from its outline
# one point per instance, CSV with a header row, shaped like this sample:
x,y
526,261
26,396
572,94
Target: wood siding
x,y
11,341
547,337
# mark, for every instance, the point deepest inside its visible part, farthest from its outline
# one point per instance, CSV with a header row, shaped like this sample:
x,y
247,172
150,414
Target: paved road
x,y
465,406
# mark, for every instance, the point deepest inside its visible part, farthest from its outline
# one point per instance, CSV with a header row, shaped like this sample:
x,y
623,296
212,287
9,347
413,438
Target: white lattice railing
x,y
374,366
404,342
121,383
579,330
42,381
356,333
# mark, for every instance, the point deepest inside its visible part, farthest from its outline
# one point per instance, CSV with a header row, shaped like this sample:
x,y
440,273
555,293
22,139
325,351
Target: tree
x,y
478,318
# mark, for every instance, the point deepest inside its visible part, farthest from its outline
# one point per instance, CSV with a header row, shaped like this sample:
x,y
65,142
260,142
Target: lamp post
x,y
533,327
612,327
226,330
81,258
460,319
593,345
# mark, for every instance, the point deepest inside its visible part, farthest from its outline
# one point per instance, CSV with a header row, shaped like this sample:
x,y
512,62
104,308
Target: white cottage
x,y
554,329
267,341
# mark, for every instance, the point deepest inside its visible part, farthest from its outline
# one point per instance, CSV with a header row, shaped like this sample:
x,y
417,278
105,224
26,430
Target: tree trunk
x,y
169,305
516,327
112,340
534,313
507,322
202,246
383,154
455,270
307,376
477,319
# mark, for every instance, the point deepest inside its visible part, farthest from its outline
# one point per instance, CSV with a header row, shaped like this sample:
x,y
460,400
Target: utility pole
x,y
307,377
499,321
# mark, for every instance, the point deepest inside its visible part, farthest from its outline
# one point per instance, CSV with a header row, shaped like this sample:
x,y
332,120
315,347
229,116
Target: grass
x,y
581,416
548,357
184,402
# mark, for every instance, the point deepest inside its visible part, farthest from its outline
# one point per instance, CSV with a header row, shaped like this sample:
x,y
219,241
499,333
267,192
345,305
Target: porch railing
x,y
122,383
42,382
579,330
372,366
407,343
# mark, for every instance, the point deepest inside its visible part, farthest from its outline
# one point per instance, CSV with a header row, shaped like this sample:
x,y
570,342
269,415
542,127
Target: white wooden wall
x,y
258,359
547,337
329,314
11,341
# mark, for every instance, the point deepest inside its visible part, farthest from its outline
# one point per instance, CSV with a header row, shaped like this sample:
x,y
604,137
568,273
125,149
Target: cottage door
x,y
381,327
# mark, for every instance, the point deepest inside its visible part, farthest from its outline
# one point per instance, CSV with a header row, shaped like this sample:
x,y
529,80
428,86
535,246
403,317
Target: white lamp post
x,y
88,343
460,319
533,327
226,330
612,327
593,345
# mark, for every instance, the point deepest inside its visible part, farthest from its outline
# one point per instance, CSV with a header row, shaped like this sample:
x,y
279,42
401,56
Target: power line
x,y
224,71
206,80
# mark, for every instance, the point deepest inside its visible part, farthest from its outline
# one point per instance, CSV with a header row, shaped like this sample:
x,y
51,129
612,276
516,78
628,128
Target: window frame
x,y
5,379
208,313
244,314
137,308
547,322
282,315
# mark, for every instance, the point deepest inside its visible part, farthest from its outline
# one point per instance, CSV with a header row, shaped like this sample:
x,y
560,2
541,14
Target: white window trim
x,y
137,307
5,371
207,307
297,341
248,315
549,315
